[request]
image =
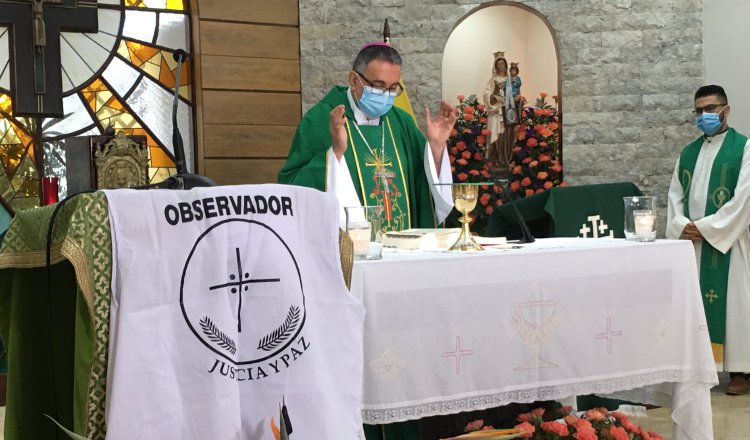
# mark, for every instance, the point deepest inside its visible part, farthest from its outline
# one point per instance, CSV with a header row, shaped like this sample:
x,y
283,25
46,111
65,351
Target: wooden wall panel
x,y
248,141
248,101
251,11
243,171
235,73
249,40
251,108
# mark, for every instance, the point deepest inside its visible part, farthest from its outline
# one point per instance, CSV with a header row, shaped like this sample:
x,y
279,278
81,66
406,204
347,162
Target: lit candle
x,y
49,190
360,235
644,224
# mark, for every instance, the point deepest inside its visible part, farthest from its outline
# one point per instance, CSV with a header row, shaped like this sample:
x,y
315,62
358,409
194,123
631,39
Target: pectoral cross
x,y
384,175
36,84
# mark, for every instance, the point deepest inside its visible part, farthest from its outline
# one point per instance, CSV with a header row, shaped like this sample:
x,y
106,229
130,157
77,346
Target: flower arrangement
x,y
467,147
535,164
594,424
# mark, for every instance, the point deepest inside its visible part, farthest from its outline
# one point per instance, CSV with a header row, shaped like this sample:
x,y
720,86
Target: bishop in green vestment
x,y
357,145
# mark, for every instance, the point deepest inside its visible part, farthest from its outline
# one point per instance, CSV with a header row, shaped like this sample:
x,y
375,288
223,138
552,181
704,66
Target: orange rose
x,y
453,150
542,144
460,98
543,94
481,139
555,97
529,192
516,149
533,163
527,160
462,162
538,112
469,109
517,169
544,158
477,156
531,142
515,186
521,135
527,429
538,128
467,130
541,175
486,132
484,199
485,174
474,172
483,120
546,132
547,111
563,184
526,181
469,116
462,176
538,191
480,107
553,126
461,145
466,155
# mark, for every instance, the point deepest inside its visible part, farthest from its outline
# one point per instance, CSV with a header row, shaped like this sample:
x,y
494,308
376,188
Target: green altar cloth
x,y
56,343
562,211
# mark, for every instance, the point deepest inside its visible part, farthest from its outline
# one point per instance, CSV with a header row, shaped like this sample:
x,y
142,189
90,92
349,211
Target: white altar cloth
x,y
447,332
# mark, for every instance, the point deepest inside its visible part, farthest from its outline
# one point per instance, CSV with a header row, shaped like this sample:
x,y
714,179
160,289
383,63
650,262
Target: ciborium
x,y
465,197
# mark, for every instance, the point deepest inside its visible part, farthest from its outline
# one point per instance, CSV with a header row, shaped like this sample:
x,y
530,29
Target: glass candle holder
x,y
50,186
644,206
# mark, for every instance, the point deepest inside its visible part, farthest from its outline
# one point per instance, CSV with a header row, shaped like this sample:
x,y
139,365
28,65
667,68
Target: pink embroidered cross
x,y
457,353
609,334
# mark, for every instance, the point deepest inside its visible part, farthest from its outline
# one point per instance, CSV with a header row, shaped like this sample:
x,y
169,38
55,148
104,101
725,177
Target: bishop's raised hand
x,y
337,130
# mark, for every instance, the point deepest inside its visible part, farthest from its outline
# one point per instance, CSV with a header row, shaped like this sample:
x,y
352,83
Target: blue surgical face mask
x,y
708,123
375,105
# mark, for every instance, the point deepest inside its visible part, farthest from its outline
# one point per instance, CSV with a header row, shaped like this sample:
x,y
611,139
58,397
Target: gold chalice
x,y
465,199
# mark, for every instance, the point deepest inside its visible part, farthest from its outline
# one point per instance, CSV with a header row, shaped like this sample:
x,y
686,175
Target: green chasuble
x,y
714,266
386,161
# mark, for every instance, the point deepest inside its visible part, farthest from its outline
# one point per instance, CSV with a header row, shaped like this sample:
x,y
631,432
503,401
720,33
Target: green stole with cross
x,y
714,266
379,173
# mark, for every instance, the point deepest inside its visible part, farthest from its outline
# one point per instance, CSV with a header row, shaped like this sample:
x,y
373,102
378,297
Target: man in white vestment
x,y
708,204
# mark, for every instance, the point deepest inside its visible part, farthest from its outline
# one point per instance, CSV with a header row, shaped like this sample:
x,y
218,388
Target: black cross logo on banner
x,y
36,72
238,283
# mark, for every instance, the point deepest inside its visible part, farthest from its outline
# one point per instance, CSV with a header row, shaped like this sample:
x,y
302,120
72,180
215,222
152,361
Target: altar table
x,y
447,333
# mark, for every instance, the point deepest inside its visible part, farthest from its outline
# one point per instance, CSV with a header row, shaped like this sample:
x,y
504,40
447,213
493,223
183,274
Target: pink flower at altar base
x,y
527,428
544,158
467,130
525,417
553,126
538,190
453,169
594,415
476,425
618,433
469,116
462,162
477,156
474,172
526,182
538,112
541,175
517,169
466,155
533,164
585,436
460,98
485,174
480,108
460,145
655,436
516,149
543,94
484,199
538,128
462,176
560,429
482,120
481,139
564,183
469,109
486,132
548,185
521,135
515,186
532,142
529,192
526,160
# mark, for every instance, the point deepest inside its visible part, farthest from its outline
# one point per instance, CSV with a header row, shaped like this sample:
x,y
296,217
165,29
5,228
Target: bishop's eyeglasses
x,y
379,89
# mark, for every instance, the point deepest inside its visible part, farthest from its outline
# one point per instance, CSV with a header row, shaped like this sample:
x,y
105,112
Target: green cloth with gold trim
x,y
395,179
67,347
714,266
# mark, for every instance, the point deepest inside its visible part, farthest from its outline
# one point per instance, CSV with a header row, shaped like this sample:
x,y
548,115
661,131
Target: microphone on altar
x,y
183,179
526,236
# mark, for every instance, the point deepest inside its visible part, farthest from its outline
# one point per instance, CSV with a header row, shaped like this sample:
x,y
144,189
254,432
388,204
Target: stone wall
x,y
629,70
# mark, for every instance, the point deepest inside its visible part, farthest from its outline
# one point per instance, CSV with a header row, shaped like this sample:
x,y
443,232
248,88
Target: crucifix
x,y
237,284
36,68
383,174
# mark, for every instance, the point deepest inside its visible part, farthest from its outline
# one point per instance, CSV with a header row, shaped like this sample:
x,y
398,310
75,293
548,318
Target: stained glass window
x,y
123,77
